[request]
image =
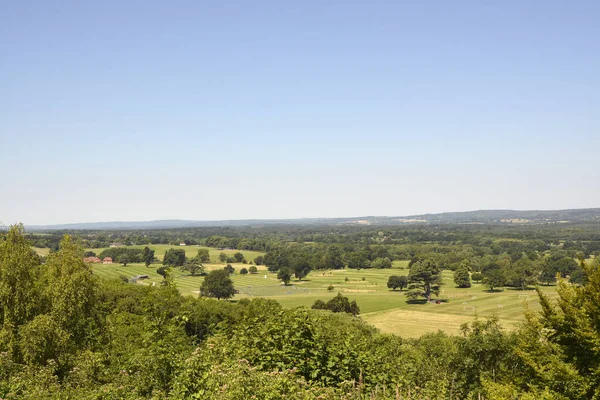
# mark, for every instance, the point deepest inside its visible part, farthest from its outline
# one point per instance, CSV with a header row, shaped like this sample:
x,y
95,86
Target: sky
x,y
210,110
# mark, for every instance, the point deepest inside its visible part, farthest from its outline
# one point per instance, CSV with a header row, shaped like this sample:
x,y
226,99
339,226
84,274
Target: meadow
x,y
380,306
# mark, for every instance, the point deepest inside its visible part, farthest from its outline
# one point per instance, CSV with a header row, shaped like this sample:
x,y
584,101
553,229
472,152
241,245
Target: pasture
x,y
380,306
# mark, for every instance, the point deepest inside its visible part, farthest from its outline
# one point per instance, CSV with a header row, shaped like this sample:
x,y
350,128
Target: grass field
x,y
384,308
190,251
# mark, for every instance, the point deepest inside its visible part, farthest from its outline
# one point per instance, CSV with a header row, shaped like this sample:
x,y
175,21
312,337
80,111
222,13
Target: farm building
x,y
92,260
107,260
182,244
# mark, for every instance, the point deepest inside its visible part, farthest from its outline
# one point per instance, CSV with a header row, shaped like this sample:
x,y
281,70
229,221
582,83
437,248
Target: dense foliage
x,y
65,334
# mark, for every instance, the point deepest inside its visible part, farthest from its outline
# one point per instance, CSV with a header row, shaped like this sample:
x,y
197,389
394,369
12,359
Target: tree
x,y
395,282
174,258
222,257
203,255
337,305
300,266
522,273
229,269
477,276
332,258
358,260
243,271
578,277
123,259
239,257
381,263
559,345
147,256
70,288
162,271
424,279
18,267
217,284
260,260
193,266
285,275
462,278
253,269
89,254
493,277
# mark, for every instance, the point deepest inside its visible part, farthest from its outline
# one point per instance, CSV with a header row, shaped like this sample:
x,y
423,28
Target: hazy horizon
x,y
116,111
282,219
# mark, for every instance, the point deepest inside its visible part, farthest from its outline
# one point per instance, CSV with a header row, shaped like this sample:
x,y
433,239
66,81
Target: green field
x,y
380,306
190,251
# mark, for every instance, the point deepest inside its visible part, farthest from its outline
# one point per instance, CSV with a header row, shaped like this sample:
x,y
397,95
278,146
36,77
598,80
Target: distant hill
x,y
508,217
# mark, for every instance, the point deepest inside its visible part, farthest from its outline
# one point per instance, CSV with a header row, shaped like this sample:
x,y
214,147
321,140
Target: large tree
x,y
70,288
203,255
284,274
332,258
338,304
174,258
424,279
147,256
300,266
18,267
493,277
462,278
381,262
523,273
193,266
397,282
217,284
222,257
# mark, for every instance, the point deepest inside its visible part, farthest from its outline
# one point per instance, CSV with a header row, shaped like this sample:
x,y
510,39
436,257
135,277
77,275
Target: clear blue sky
x,y
140,110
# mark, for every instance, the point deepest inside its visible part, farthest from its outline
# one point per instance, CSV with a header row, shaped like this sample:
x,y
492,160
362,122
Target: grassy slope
x,y
380,306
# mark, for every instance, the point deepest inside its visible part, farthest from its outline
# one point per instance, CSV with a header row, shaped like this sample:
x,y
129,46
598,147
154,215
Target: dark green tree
x,y
493,277
174,258
147,256
284,274
193,266
239,257
522,273
424,279
339,304
253,269
243,271
260,260
217,284
123,259
462,278
397,282
300,266
222,257
229,269
203,255
162,271
381,263
332,258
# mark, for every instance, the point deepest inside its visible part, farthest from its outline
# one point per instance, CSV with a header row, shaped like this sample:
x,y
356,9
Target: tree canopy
x,y
217,284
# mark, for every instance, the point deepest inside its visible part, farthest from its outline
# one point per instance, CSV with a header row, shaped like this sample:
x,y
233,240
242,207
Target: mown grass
x,y
384,308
